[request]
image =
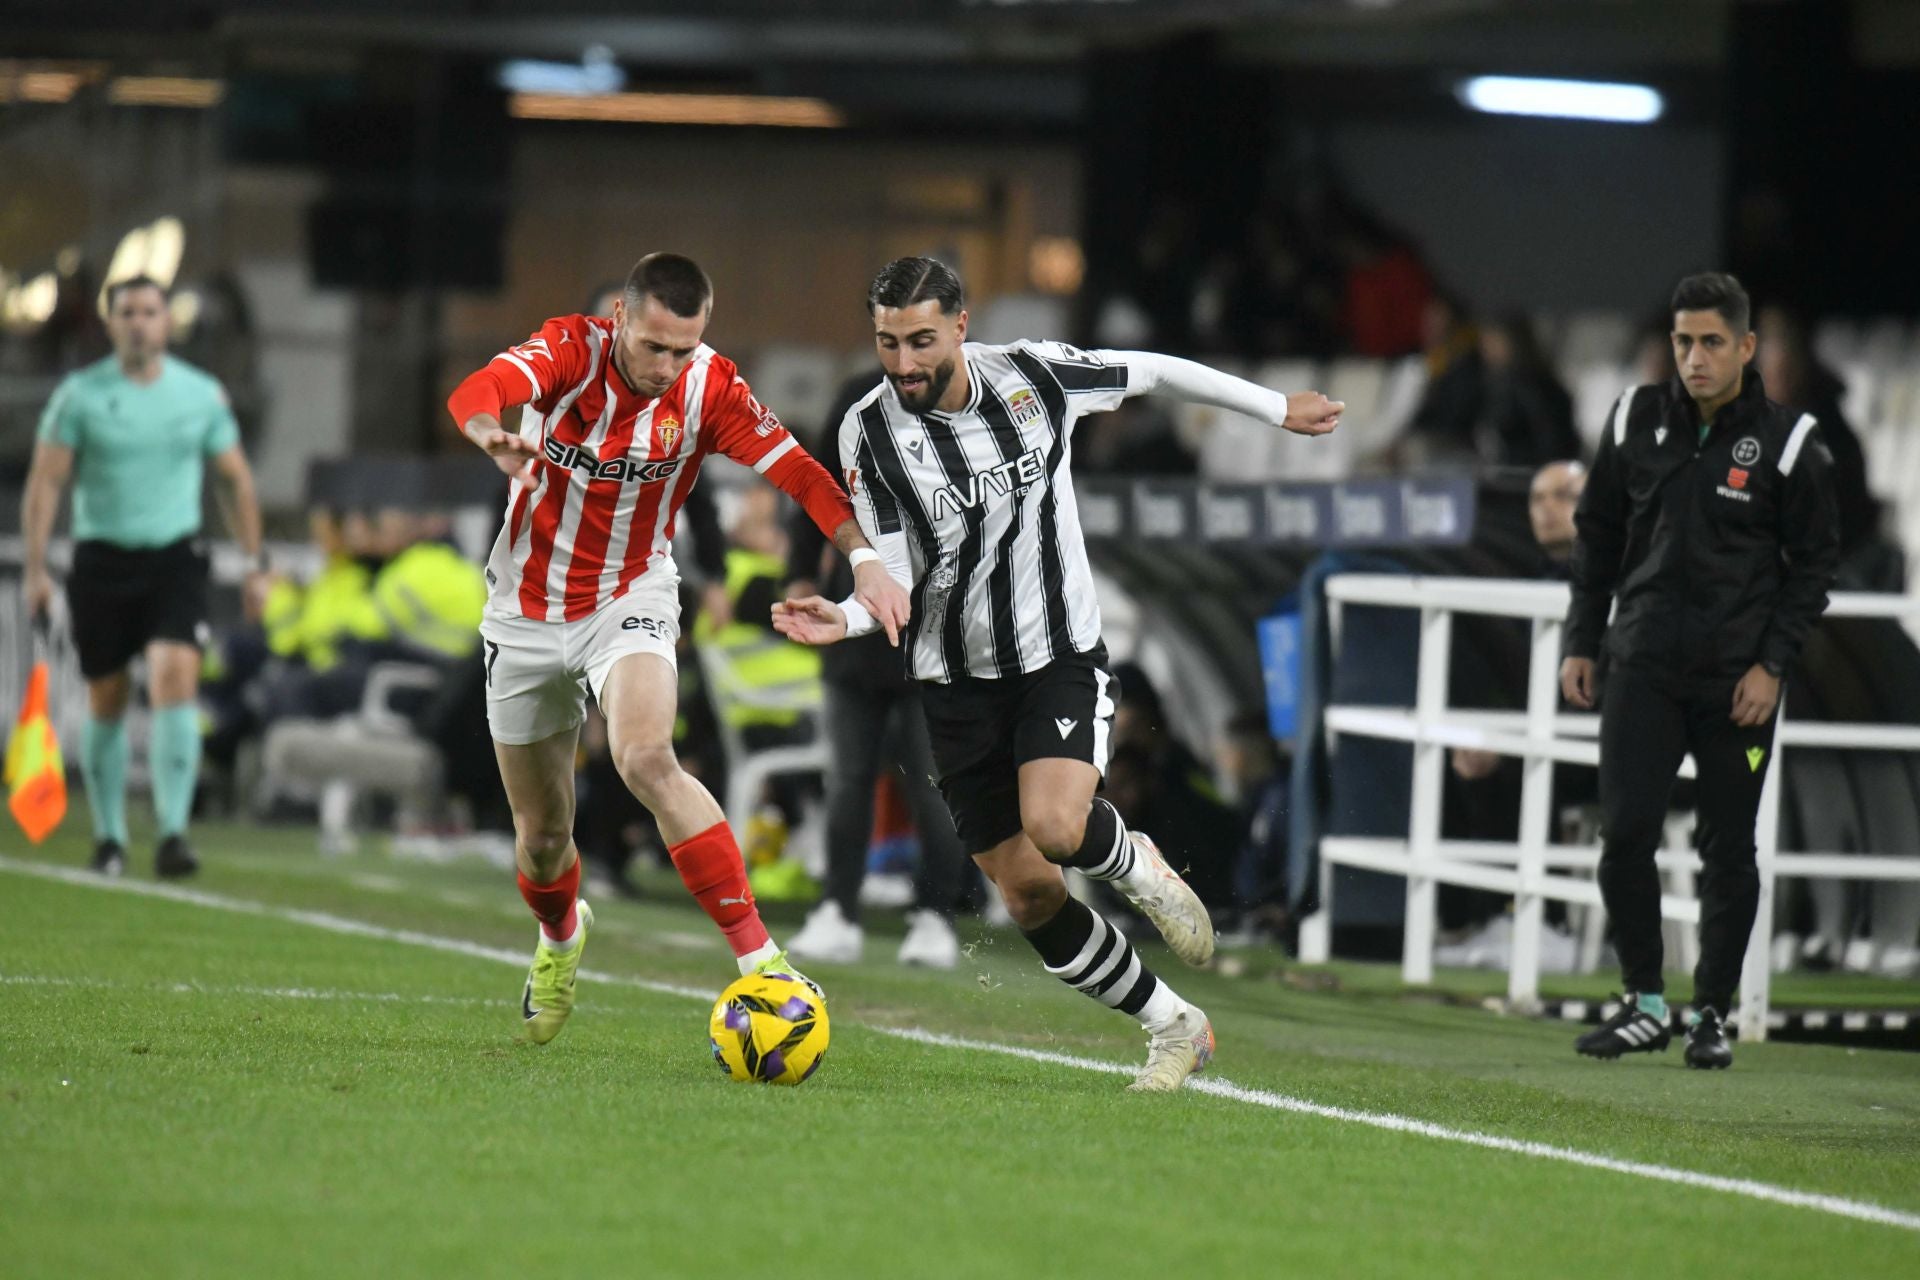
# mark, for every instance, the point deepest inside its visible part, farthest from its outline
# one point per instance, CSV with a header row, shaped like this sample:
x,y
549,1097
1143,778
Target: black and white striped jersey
x,y
975,509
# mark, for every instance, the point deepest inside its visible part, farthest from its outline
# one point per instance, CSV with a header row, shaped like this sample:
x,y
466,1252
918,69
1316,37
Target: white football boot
x,y
828,937
1182,1050
1159,893
930,941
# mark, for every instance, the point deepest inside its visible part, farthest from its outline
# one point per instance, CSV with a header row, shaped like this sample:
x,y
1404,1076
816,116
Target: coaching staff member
x,y
1709,519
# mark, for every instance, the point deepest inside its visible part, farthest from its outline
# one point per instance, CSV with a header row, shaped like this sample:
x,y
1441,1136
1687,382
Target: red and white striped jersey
x,y
615,465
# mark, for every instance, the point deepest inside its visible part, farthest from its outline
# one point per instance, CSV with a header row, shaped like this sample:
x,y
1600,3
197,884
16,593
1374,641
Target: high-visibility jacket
x,y
758,659
430,597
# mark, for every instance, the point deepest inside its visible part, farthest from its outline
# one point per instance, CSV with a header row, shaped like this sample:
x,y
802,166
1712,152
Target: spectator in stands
x,y
1163,277
1273,294
1552,499
423,606
1156,781
1796,379
1483,798
1261,771
759,677
1389,293
873,723
1527,417
266,670
1442,426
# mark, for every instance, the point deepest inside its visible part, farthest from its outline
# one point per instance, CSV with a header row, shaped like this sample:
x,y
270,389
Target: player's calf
x,y
1080,948
1133,863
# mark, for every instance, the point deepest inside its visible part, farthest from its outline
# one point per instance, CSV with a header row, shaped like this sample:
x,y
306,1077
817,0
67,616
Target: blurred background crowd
x,y
355,206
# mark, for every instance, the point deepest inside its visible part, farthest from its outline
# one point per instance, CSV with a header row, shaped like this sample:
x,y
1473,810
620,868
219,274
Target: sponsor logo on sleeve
x,y
765,421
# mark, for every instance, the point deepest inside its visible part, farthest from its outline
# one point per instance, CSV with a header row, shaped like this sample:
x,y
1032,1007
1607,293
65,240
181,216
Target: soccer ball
x,y
769,1028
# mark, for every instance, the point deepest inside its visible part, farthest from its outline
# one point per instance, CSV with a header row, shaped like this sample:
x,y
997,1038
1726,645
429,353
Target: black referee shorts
x,y
983,730
124,598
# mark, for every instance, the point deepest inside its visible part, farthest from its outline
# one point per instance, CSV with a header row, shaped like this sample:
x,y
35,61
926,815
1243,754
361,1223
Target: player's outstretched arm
x,y
512,453
1307,413
553,358
476,405
814,620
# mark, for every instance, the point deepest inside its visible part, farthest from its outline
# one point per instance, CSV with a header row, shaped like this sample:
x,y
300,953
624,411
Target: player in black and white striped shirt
x,y
958,465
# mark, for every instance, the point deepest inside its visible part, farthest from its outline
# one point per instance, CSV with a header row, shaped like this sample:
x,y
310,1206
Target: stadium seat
x,y
1362,384
748,769
340,762
1595,388
1594,337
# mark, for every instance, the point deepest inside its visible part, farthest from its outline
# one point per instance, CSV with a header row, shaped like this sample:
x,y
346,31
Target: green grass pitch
x,y
221,1086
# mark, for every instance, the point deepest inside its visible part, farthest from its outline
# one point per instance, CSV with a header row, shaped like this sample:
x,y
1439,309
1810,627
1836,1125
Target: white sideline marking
x,y
208,989
1839,1206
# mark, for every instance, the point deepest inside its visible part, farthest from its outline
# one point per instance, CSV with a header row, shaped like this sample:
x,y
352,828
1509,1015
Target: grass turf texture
x,y
238,1128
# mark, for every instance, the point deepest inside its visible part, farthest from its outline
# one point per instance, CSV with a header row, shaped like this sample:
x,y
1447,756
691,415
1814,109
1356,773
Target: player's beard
x,y
925,400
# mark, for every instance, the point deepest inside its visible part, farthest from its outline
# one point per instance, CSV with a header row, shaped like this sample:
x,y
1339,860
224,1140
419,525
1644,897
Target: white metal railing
x,y
1542,736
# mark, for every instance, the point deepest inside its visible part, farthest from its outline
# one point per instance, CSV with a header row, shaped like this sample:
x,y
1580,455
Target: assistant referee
x,y
133,432
1709,519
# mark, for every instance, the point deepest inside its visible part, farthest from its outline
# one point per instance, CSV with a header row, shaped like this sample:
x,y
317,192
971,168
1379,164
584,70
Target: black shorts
x,y
123,598
984,730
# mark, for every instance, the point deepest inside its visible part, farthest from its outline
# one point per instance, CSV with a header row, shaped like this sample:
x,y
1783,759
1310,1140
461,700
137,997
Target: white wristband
x,y
861,555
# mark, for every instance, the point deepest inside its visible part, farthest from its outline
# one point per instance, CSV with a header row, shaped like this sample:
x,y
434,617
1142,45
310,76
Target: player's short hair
x,y
1715,291
907,282
677,281
119,287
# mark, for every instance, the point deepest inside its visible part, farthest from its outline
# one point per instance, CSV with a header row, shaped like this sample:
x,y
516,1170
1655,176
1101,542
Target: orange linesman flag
x,y
36,777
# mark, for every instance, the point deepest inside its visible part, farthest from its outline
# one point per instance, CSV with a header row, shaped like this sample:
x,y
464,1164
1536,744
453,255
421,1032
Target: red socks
x,y
710,866
555,903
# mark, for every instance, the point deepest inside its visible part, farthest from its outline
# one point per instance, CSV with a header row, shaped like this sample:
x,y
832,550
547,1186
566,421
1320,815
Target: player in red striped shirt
x,y
584,594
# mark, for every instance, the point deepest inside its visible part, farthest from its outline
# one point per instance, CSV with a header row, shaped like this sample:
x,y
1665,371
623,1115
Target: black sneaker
x,y
1707,1047
1631,1030
109,857
173,860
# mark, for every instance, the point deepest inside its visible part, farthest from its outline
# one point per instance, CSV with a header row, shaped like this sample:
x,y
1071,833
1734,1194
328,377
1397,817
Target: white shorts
x,y
538,673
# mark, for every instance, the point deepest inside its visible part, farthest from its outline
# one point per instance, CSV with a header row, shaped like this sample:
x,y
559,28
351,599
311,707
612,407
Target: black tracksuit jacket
x,y
1720,552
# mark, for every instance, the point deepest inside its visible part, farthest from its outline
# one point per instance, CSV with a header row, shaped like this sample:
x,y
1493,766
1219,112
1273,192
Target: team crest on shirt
x,y
1024,405
1747,451
669,432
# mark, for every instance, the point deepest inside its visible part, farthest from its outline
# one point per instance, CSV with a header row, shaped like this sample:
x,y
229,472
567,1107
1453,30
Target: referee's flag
x,y
35,775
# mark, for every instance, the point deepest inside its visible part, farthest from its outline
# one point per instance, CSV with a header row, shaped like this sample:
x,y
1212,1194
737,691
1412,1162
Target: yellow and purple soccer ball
x,y
769,1028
